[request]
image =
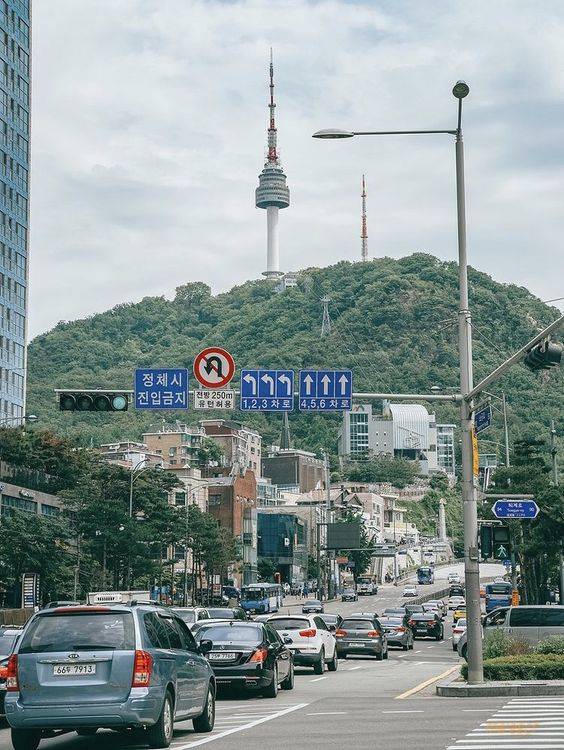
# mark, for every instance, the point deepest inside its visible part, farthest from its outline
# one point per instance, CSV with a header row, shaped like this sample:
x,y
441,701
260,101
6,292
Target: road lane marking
x,y
249,725
327,713
317,679
423,685
407,711
352,669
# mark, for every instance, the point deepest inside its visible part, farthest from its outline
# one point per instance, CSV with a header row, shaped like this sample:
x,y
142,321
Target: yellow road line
x,y
423,685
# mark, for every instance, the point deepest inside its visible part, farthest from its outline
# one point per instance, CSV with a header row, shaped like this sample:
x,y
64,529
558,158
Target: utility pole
x,y
328,519
554,456
505,428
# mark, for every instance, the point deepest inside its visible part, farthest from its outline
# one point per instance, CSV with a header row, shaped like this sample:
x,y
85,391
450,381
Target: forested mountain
x,y
394,325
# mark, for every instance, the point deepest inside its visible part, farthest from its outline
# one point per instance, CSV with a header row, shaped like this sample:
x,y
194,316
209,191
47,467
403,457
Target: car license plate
x,y
357,645
70,670
223,656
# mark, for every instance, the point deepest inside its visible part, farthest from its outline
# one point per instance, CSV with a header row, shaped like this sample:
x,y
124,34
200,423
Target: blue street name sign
x,y
515,509
161,388
483,418
507,563
267,390
325,390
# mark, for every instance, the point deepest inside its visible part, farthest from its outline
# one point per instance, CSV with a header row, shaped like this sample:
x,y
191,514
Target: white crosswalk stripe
x,y
235,718
522,724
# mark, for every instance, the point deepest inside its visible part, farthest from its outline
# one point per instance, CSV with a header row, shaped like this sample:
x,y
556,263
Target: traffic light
x,y
543,356
93,400
486,542
501,543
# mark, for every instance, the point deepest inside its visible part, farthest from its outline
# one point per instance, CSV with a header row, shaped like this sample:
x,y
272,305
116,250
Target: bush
x,y
552,645
497,643
524,667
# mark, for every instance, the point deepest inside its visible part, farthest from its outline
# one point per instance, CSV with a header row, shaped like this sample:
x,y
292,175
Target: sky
x,y
149,126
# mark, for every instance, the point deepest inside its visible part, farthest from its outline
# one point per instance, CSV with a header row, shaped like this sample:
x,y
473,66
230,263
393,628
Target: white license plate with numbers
x,y
224,656
357,645
71,670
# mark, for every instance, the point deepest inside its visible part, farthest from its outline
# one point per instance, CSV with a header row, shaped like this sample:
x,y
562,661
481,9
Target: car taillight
x,y
12,674
340,633
259,655
458,630
3,673
412,622
374,634
400,630
142,668
310,633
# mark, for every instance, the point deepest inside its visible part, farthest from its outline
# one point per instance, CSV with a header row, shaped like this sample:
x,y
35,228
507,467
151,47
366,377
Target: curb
x,y
453,689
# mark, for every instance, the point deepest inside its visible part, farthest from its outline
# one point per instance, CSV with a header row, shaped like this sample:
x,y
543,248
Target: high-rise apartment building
x,y
14,204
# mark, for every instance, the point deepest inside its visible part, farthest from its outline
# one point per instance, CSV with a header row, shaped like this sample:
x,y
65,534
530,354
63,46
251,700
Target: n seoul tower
x,y
272,192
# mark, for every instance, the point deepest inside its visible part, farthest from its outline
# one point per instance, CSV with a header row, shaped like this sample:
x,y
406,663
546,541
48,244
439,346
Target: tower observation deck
x,y
272,192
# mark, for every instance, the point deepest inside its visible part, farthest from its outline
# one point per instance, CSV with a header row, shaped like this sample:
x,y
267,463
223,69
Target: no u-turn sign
x,y
214,367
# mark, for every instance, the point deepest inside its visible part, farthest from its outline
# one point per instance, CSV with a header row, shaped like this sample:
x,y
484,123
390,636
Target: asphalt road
x,y
365,704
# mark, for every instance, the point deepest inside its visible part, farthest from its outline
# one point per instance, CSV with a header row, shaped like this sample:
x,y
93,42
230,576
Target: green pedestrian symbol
x,y
501,551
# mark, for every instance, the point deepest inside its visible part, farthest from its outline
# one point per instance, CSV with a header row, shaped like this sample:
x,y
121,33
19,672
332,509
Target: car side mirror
x,y
287,640
205,647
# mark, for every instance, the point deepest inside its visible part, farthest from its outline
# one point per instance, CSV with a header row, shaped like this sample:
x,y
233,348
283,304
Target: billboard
x,y
343,536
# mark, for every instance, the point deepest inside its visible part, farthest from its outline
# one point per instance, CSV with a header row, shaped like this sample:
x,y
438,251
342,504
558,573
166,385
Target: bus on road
x,y
261,597
425,574
498,595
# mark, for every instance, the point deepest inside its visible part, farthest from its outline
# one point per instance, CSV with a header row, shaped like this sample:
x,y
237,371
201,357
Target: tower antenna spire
x,y
364,230
272,192
326,322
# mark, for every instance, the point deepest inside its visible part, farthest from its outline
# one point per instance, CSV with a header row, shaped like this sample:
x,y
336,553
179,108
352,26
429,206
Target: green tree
x,y
266,569
397,471
363,556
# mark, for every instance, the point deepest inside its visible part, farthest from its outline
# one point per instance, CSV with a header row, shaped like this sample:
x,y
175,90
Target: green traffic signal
x,y
92,401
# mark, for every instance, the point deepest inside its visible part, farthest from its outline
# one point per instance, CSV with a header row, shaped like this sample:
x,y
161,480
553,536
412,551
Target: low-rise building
x,y
293,470
241,446
178,444
17,498
128,454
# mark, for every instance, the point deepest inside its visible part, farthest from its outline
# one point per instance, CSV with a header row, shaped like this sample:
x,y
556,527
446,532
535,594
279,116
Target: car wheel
x,y
334,663
319,666
411,645
343,655
87,731
386,654
380,656
205,721
26,739
271,691
160,734
464,652
405,647
288,682
454,648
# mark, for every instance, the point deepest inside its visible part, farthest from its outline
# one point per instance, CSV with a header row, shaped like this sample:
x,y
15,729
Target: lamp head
x,y
333,133
460,89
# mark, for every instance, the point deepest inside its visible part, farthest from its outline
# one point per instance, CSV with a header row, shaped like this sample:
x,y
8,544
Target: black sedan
x,y
426,625
248,655
349,595
311,606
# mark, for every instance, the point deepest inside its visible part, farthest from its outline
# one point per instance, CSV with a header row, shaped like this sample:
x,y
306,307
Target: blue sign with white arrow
x,y
515,509
267,390
325,390
483,418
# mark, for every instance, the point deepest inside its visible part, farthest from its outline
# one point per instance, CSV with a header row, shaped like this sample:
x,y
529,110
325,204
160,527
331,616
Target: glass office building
x,y
14,204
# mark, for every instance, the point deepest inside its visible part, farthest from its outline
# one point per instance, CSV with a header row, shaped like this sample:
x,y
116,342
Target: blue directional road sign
x,y
325,390
506,563
267,390
515,509
483,418
161,388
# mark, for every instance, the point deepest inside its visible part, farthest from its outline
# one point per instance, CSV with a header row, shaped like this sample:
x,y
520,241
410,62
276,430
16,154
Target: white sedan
x,y
456,601
458,631
410,591
310,640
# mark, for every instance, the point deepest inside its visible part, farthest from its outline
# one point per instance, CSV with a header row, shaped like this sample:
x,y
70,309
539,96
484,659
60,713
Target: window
x,y
524,617
552,617
180,498
320,623
187,638
156,632
172,632
99,631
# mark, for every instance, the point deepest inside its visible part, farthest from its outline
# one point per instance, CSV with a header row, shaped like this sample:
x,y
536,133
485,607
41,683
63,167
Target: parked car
x,y
332,621
248,655
397,632
190,615
427,625
458,630
456,601
226,613
124,666
312,605
410,591
349,595
309,639
362,634
8,639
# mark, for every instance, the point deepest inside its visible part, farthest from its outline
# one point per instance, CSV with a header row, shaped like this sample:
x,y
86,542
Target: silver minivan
x,y
534,623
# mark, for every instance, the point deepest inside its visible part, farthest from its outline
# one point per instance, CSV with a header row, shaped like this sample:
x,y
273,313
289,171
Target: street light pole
x,y
505,429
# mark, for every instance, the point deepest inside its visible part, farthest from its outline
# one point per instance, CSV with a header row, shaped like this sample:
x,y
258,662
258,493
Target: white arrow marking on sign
x,y
308,380
268,379
326,380
248,378
343,380
286,379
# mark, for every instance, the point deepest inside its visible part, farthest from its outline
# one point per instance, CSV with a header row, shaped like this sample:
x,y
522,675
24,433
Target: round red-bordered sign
x,y
214,367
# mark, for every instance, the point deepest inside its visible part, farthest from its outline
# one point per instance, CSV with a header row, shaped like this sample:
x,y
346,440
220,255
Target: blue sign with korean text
x,y
161,388
267,390
325,390
515,509
483,418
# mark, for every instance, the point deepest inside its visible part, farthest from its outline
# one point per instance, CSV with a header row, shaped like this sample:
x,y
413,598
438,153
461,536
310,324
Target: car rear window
x,y
85,631
227,614
391,621
232,633
6,644
357,624
289,623
311,601
552,617
461,623
188,616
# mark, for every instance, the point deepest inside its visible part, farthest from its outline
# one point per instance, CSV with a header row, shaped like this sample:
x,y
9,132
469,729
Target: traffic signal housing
x,y
543,356
486,542
93,400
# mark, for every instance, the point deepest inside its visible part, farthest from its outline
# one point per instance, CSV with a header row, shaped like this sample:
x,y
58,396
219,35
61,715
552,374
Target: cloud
x,y
149,132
